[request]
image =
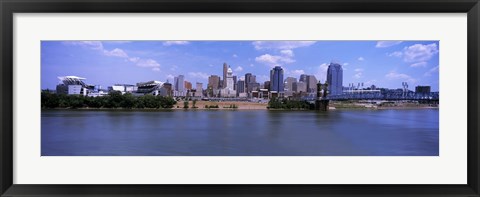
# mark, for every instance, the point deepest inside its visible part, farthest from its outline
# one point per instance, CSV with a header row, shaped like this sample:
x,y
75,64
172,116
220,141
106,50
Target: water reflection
x,y
240,133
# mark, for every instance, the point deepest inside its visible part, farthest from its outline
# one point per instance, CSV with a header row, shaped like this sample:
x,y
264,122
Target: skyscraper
x,y
199,89
335,79
225,70
250,82
188,85
234,82
266,85
310,82
228,91
276,79
213,82
179,83
229,79
299,86
249,78
199,86
241,86
289,82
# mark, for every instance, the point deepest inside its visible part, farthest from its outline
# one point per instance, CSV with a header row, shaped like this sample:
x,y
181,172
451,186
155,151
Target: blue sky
x,y
381,63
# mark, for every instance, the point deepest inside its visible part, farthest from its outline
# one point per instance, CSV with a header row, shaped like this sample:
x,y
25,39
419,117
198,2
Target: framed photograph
x,y
254,98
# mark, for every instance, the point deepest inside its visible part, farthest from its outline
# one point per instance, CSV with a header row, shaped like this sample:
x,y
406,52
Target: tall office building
x,y
310,82
252,87
199,86
168,87
199,89
213,82
276,79
249,82
299,86
179,83
249,78
234,82
335,79
229,79
188,85
266,85
422,89
228,91
240,86
289,83
225,70
303,78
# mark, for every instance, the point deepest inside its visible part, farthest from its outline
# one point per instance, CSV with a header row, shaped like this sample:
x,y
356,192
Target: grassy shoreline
x,y
235,109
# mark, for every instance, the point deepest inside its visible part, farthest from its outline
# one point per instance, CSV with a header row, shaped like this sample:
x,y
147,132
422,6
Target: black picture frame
x,y
9,7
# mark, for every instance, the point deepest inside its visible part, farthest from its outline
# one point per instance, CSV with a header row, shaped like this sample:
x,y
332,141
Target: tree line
x,y
114,99
276,103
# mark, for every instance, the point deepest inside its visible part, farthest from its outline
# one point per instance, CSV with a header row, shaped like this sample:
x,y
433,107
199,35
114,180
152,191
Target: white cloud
x,y
345,64
419,64
358,73
198,75
431,71
117,42
238,69
95,45
395,75
297,72
419,52
134,59
170,43
384,44
98,46
242,78
395,54
148,63
115,53
399,76
169,76
287,53
234,55
281,45
173,68
361,59
251,65
273,60
321,72
358,70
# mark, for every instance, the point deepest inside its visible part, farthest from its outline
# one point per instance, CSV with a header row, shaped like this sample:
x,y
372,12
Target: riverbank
x,y
222,105
239,105
370,106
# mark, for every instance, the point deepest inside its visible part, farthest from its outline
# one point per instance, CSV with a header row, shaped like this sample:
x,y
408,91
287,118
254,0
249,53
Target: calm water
x,y
245,133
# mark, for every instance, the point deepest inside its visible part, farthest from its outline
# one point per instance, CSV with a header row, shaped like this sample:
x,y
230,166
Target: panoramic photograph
x,y
239,98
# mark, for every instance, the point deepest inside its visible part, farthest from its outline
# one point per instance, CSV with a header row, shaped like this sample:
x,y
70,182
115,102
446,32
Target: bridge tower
x,y
321,102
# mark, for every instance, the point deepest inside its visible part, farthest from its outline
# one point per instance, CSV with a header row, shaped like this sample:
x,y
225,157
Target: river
x,y
412,132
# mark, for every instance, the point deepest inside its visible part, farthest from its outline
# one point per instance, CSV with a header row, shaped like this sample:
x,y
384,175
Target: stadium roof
x,y
72,80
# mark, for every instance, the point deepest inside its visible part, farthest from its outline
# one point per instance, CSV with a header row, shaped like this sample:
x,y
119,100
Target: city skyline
x,y
381,63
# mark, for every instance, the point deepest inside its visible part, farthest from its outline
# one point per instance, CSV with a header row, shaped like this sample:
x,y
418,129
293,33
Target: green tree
x,y
128,101
193,103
